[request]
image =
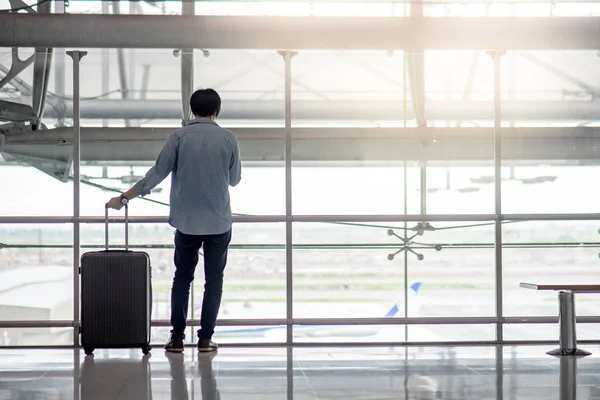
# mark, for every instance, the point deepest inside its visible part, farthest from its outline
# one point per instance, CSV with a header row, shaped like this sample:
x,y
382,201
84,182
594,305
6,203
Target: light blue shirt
x,y
204,160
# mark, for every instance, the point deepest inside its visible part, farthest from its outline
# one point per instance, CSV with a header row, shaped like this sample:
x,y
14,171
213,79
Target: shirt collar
x,y
202,121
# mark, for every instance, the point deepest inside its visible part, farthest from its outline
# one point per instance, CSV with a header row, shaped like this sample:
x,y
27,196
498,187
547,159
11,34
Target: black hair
x,y
205,102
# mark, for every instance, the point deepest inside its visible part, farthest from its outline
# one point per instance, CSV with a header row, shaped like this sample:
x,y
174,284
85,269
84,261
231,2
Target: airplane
x,y
318,331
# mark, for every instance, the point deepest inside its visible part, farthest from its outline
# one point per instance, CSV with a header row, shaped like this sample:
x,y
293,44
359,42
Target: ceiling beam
x,y
90,134
562,145
339,110
297,33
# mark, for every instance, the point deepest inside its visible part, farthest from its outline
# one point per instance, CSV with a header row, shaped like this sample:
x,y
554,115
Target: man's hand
x,y
115,203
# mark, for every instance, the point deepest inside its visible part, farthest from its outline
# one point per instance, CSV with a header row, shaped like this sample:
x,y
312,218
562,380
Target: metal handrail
x,y
328,321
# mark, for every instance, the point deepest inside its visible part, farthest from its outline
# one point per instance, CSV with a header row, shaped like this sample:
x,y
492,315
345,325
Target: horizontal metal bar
x,y
89,135
281,322
396,321
256,219
329,321
307,344
240,219
342,110
392,218
336,146
392,344
41,347
35,220
227,322
276,32
548,320
551,217
317,344
38,324
319,218
446,218
346,321
482,343
331,246
353,344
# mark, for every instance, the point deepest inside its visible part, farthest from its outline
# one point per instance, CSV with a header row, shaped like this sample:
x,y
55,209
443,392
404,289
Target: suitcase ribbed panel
x,y
115,299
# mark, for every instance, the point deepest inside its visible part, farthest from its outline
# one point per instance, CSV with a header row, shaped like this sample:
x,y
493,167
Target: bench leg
x,y
568,337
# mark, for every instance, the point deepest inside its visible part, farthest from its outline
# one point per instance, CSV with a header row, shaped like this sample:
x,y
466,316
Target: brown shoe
x,y
174,345
206,345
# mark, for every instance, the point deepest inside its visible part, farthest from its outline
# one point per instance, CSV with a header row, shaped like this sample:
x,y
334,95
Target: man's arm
x,y
235,166
162,168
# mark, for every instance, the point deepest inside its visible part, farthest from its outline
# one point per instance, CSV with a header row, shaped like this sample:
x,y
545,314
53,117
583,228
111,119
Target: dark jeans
x,y
186,258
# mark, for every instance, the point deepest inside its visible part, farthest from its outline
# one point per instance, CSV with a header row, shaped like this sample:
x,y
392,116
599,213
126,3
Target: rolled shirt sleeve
x,y
165,163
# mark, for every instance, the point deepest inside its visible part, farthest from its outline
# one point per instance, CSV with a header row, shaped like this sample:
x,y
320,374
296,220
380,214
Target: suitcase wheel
x,y
146,349
88,351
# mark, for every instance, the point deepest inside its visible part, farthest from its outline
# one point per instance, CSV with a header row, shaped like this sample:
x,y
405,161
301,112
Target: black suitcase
x,y
116,297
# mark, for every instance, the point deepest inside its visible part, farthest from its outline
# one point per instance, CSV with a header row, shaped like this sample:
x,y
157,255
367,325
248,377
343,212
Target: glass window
x,y
548,252
33,192
36,337
549,167
360,270
392,333
337,167
36,272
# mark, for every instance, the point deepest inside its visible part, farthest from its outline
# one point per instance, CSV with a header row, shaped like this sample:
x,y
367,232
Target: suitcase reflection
x,y
131,379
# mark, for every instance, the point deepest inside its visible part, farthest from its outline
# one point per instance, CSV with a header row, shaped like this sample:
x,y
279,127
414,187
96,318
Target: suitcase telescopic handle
x,y
126,227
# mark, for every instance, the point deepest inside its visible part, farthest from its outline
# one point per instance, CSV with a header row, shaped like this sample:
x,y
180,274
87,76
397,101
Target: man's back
x,y
204,160
207,164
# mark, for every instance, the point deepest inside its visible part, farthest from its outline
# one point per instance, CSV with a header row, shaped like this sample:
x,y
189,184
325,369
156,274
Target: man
x,y
204,160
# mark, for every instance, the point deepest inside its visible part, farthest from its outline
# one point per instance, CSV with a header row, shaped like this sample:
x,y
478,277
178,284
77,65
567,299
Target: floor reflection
x,y
499,373
179,384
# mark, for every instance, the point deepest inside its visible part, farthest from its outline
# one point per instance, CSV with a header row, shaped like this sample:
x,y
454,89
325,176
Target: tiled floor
x,y
478,373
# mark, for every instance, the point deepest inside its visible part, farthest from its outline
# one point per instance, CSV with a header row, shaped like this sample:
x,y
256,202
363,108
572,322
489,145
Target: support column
x,y
187,69
497,56
415,65
59,69
41,70
287,56
122,64
105,64
76,56
59,84
416,75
